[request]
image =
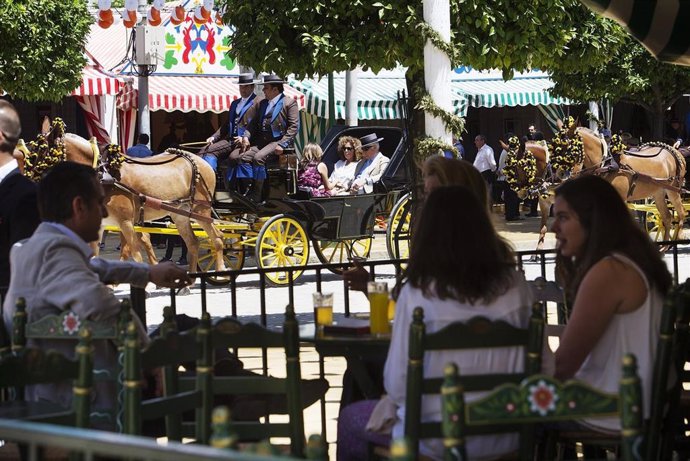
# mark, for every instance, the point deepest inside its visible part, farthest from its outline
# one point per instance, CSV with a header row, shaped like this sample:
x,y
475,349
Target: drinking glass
x,y
378,308
323,309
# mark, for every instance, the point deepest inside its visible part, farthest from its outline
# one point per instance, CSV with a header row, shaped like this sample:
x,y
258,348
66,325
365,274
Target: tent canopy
x,y
661,26
377,93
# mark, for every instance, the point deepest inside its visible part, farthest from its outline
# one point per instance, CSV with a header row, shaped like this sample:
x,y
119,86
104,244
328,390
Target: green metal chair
x,y
65,326
541,399
34,366
228,333
477,333
164,354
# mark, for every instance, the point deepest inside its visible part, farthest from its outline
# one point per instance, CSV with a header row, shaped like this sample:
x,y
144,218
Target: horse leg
x,y
129,239
216,239
677,202
544,207
664,213
184,228
145,241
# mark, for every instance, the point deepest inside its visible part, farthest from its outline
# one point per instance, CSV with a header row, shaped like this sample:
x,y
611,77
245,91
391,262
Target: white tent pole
x,y
437,67
351,97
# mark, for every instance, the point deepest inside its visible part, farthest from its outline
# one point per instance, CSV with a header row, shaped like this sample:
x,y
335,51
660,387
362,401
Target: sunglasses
x,y
364,149
348,148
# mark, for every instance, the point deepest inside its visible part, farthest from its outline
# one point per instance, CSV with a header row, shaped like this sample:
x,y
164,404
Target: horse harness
x,y
173,206
673,183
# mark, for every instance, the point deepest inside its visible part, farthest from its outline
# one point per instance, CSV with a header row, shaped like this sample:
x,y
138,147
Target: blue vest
x,y
268,125
235,130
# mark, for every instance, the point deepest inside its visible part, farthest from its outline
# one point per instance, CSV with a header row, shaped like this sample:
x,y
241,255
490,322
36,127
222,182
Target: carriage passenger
x,y
370,169
270,132
313,176
349,151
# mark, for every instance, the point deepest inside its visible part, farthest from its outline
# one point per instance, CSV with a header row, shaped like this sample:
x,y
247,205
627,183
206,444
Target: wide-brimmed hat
x,y
246,79
273,79
370,139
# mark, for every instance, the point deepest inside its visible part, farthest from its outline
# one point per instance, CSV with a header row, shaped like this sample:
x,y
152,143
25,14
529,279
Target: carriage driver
x,y
229,140
272,130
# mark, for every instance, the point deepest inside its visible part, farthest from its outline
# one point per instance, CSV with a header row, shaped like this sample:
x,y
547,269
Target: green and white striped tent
x,y
377,93
661,26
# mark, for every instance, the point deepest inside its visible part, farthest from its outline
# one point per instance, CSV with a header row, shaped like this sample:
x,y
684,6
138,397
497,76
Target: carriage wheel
x,y
341,251
398,230
282,242
654,225
233,257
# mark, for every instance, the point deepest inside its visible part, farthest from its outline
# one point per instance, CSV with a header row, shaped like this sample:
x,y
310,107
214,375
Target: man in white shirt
x,y
371,167
485,162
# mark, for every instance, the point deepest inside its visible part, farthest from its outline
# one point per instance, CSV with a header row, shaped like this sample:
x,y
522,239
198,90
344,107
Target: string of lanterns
x,y
201,14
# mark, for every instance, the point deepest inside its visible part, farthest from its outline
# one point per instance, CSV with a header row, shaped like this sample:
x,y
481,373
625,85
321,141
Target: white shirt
x,y
272,103
8,168
342,176
485,159
241,105
511,307
502,165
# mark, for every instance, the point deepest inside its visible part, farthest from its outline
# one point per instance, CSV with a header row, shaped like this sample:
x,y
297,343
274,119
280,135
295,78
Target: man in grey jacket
x,y
54,271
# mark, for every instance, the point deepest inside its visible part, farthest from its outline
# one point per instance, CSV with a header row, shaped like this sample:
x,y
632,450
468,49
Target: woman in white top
x,y
458,269
617,279
349,151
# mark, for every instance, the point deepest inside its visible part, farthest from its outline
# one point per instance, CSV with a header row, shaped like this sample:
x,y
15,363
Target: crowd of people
x,y
612,274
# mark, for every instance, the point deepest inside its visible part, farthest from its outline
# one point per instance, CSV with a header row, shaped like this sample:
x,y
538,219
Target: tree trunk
x,y
656,122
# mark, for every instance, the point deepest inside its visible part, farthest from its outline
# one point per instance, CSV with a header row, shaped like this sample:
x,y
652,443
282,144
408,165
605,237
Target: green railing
x,y
87,443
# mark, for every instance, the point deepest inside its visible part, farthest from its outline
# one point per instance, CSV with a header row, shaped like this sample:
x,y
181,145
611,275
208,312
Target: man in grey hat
x,y
371,167
272,130
230,140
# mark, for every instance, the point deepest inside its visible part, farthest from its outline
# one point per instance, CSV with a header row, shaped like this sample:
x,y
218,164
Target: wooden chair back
x,y
34,366
164,354
541,399
230,334
477,333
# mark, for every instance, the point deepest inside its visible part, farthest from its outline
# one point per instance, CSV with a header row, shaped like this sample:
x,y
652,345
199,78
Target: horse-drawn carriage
x,y
276,232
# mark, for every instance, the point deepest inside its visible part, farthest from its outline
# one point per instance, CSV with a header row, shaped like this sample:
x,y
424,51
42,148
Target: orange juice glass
x,y
378,308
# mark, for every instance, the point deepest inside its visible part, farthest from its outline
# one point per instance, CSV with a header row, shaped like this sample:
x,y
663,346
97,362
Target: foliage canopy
x,y
42,55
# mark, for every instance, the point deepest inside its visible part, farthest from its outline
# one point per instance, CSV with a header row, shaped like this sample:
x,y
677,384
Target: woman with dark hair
x,y
458,269
349,152
617,279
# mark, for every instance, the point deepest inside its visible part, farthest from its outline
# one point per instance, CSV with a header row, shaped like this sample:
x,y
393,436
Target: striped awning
x,y
661,26
96,82
377,94
199,94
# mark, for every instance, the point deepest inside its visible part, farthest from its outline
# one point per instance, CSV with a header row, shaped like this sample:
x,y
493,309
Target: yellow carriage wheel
x,y
282,242
341,251
233,258
654,225
398,230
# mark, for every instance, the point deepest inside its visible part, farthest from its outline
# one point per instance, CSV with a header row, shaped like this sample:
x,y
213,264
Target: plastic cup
x,y
323,309
378,308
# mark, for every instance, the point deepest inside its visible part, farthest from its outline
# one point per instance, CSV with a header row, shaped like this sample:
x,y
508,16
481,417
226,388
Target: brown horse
x,y
655,170
540,152
184,180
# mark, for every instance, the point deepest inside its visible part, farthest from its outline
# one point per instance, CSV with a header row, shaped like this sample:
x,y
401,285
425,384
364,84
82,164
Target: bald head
x,y
10,128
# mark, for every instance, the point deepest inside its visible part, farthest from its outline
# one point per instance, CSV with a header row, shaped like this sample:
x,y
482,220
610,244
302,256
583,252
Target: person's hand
x,y
279,149
169,274
354,187
210,140
245,141
357,277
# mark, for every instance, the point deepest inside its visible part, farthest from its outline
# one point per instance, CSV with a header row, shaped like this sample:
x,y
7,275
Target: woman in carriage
x,y
313,176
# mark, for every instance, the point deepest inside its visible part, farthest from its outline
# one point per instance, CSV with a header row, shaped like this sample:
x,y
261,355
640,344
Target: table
x,y
358,350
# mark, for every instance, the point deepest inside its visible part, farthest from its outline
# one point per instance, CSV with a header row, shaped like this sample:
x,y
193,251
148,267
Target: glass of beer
x,y
378,308
323,309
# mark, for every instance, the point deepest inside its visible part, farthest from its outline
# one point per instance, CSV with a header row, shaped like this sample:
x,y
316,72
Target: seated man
x,y
54,271
371,167
272,130
141,148
230,139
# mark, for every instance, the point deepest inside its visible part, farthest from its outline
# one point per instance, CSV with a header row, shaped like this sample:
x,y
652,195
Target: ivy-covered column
x,y
437,67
